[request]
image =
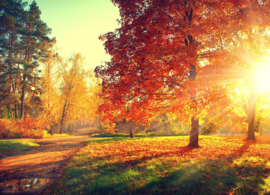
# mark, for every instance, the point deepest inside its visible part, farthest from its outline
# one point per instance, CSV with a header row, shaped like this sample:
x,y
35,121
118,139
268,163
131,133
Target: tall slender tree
x,y
34,33
10,21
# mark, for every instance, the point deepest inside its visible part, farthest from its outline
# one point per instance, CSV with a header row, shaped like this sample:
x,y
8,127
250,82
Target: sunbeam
x,y
262,78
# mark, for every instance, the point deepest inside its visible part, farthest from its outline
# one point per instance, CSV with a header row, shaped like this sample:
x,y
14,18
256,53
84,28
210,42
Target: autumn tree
x,y
154,54
95,100
163,51
248,51
50,79
73,88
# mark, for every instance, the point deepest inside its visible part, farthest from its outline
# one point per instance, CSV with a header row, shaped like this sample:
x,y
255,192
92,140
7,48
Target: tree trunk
x,y
15,110
18,111
164,123
10,62
130,125
65,123
131,132
99,122
22,102
9,111
62,119
51,129
251,116
194,132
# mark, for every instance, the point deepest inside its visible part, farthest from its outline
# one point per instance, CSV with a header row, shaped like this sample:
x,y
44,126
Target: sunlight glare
x,y
262,78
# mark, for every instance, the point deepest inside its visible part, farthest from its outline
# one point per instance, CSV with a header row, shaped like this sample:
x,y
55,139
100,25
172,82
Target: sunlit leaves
x,y
75,93
152,56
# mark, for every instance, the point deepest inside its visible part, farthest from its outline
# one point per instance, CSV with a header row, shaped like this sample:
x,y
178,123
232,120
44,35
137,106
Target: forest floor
x,y
33,170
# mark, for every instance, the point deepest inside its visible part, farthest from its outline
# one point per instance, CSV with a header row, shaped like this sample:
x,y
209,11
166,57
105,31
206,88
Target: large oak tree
x,y
166,52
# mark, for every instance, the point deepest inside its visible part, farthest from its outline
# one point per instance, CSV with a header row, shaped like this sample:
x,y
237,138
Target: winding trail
x,y
33,170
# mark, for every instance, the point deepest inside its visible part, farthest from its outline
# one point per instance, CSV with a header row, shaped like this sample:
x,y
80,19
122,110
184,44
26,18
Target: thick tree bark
x,y
194,132
251,116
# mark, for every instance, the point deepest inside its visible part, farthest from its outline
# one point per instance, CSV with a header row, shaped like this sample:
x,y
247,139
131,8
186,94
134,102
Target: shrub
x,y
26,127
6,128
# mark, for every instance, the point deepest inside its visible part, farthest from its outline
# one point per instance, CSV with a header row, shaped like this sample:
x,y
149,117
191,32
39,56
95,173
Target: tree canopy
x,y
171,54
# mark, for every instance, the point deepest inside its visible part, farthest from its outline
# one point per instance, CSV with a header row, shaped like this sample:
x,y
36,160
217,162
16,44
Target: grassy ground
x,y
164,165
47,134
7,146
57,135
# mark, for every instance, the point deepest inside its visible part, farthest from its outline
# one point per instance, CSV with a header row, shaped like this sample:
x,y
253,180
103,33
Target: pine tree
x,y
10,22
34,33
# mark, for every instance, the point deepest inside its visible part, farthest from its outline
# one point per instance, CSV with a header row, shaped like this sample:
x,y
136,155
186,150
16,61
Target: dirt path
x,y
32,171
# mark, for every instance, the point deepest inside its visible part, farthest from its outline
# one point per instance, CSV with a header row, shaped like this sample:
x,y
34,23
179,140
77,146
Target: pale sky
x,y
77,24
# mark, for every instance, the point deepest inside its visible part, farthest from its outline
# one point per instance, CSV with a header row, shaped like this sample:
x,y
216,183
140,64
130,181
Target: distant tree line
x,y
35,80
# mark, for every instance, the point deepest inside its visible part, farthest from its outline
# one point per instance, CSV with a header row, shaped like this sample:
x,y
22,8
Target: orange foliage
x,y
175,150
6,128
27,127
166,57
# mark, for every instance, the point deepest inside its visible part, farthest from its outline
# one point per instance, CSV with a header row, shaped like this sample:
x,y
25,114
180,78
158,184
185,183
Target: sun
x,y
262,78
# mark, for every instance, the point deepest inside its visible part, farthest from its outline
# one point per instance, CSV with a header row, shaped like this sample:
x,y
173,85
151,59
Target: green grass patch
x,y
164,165
15,145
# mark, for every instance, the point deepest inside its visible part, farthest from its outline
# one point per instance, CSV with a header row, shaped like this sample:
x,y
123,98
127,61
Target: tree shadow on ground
x,y
240,151
214,178
220,176
220,180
